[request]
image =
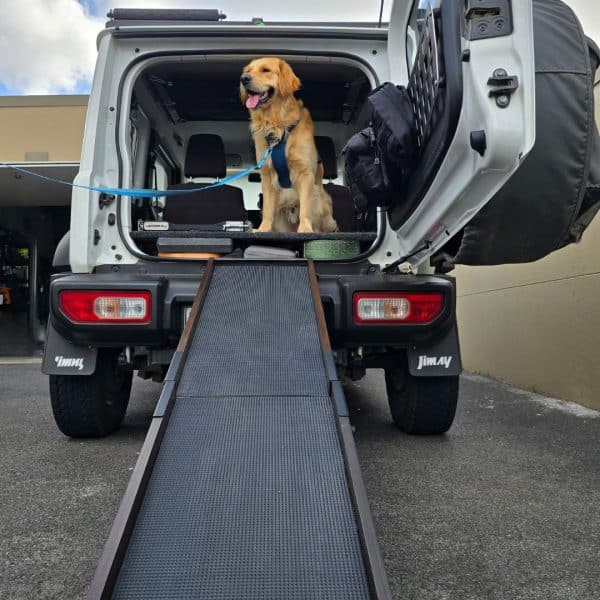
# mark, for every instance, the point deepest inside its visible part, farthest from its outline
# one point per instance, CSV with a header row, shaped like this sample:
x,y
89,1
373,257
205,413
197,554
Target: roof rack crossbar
x,y
165,14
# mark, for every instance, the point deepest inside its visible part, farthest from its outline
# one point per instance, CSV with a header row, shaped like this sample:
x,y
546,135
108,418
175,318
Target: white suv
x,y
164,110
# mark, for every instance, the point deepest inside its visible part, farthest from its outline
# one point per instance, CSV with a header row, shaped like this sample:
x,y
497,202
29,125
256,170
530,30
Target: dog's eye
x,y
265,70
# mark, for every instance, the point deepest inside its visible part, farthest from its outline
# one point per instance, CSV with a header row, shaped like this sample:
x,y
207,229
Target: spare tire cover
x,y
555,194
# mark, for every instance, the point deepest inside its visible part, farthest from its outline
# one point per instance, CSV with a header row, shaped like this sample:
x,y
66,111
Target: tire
x,y
91,405
421,405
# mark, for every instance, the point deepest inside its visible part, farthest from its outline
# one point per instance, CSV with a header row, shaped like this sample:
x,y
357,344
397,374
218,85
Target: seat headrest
x,y
326,150
205,156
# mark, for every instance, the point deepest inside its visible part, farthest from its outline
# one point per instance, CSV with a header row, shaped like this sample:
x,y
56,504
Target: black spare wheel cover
x,y
555,194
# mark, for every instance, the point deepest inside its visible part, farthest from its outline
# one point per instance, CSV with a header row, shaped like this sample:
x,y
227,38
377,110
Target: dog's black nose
x,y
245,79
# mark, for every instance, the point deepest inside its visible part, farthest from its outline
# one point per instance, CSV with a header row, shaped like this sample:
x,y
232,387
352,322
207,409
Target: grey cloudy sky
x,y
48,46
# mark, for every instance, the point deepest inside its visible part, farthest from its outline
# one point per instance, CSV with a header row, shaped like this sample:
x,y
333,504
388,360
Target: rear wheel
x,y
91,405
421,405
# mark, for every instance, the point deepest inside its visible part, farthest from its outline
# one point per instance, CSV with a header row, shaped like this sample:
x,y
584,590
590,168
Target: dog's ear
x,y
288,82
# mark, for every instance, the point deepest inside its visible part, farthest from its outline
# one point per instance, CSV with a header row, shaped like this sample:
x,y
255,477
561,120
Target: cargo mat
x,y
248,485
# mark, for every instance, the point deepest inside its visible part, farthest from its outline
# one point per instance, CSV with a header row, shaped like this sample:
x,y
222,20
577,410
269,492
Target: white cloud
x,y
589,15
47,46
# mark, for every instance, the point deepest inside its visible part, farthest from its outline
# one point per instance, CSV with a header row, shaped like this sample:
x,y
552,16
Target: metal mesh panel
x,y
247,500
426,79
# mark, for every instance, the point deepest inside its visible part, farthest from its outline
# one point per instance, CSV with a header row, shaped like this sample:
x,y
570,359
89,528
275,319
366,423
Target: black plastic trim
x,y
188,237
172,293
60,261
248,31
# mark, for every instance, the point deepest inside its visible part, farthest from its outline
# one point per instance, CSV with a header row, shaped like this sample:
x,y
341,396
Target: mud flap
x,y
61,357
438,360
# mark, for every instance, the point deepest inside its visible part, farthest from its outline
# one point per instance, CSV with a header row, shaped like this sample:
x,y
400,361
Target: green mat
x,y
316,249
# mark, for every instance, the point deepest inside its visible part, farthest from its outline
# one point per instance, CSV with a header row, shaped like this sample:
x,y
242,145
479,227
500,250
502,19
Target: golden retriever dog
x,y
292,178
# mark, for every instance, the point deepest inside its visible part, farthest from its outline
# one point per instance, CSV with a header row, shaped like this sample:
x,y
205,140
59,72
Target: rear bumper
x,y
172,293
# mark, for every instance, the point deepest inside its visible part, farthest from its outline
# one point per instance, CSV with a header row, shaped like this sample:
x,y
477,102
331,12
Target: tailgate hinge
x,y
503,87
488,19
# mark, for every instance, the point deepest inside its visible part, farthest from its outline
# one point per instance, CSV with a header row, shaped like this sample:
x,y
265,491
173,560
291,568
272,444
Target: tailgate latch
x,y
503,87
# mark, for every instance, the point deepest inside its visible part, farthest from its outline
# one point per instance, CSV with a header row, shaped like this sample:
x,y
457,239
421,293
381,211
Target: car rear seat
x,y
343,206
205,157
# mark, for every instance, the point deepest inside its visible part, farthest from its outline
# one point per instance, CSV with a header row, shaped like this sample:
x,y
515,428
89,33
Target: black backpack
x,y
380,158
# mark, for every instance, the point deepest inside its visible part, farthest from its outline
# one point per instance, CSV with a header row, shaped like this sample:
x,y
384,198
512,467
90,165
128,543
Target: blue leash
x,y
142,192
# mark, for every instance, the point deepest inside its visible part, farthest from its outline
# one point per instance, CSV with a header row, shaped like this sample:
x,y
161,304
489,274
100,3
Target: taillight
x,y
397,307
106,306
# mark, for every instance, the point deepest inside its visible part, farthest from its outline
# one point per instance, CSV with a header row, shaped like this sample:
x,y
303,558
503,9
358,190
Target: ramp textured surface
x,y
257,336
248,497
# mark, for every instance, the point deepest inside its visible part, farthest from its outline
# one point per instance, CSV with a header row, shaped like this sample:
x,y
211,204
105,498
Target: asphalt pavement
x,y
506,505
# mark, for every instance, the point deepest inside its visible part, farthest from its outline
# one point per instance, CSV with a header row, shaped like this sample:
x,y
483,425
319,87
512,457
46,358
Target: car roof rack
x,y
165,14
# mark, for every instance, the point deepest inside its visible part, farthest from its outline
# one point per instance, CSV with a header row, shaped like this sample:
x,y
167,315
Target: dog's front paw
x,y
305,227
264,228
328,225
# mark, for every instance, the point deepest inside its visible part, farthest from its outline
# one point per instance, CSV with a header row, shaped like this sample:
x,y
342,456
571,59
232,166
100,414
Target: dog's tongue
x,y
252,100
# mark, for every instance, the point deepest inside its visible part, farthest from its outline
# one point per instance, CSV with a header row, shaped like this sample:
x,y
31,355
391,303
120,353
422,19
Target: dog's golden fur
x,y
306,206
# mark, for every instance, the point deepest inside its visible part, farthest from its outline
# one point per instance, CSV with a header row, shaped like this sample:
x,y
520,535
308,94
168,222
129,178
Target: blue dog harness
x,y
280,163
279,159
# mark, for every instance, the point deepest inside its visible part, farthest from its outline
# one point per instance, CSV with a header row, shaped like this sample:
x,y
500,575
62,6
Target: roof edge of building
x,y
45,100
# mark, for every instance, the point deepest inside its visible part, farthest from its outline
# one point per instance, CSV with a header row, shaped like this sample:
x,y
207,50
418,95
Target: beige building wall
x,y
537,325
40,128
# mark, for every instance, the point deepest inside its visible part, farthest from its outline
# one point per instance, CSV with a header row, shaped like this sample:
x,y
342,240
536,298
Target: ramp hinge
x,y
503,87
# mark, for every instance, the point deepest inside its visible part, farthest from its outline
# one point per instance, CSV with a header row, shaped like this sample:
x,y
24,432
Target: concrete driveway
x,y
504,506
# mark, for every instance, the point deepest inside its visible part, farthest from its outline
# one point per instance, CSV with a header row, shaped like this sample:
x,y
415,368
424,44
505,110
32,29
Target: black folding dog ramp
x,y
248,484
